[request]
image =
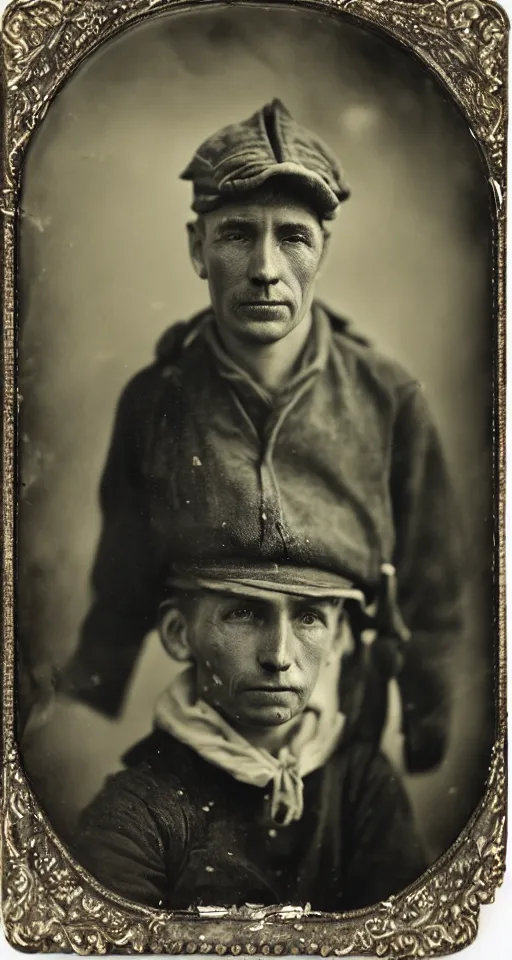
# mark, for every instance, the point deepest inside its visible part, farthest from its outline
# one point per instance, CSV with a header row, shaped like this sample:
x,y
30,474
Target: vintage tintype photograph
x,y
254,661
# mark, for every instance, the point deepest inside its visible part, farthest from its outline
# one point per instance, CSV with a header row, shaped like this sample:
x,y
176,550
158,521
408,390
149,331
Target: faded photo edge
x,y
49,902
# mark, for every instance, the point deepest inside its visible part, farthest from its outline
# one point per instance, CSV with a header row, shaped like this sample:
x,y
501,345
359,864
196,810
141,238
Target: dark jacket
x,y
343,470
173,831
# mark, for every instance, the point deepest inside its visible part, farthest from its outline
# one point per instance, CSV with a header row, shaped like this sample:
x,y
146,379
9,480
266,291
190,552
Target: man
x,y
293,434
246,791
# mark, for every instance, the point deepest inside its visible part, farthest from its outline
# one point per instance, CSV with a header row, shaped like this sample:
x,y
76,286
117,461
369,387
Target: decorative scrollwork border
x,y
49,903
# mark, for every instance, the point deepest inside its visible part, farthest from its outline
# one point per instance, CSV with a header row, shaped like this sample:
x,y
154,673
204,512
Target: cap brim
x,y
309,185
269,578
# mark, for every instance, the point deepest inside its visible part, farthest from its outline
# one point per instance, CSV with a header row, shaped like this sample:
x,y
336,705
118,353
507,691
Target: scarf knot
x,y
287,790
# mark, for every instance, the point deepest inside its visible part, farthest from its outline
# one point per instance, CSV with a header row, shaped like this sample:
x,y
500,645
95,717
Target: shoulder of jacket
x,y
163,769
178,337
150,776
344,328
167,758
366,766
155,751
365,357
146,385
143,798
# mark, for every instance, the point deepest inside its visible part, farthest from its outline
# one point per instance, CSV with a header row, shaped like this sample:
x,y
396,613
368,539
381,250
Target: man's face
x,y
258,660
261,256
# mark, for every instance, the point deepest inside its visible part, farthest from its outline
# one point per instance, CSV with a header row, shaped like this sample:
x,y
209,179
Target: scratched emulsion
x,y
104,269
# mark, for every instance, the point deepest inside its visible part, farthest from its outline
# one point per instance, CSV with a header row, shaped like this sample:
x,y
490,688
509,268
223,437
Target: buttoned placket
x,y
265,416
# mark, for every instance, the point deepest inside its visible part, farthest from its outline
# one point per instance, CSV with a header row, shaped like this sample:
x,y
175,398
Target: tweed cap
x,y
245,155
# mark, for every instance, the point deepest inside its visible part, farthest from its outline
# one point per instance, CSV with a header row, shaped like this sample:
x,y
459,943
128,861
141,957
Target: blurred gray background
x,y
104,270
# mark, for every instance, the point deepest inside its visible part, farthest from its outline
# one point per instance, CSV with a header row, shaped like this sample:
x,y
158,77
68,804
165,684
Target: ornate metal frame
x,y
49,903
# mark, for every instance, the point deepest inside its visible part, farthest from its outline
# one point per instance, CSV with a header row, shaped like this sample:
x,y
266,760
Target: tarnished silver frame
x,y
50,904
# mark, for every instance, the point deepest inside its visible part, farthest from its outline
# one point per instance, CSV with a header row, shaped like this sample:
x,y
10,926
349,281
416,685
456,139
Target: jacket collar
x,y
312,362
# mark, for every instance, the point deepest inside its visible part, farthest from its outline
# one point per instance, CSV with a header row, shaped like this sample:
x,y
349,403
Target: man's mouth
x,y
263,306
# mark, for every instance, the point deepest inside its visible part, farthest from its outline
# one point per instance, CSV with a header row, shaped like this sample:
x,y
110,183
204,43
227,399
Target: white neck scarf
x,y
199,726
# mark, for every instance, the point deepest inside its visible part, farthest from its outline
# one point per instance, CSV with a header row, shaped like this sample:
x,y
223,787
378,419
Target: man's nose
x,y
263,266
275,654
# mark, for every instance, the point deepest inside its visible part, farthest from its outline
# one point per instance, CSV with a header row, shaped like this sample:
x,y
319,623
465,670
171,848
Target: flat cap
x,y
243,156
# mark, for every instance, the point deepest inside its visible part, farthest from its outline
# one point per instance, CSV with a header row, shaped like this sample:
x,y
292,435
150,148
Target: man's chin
x,y
267,715
262,332
270,718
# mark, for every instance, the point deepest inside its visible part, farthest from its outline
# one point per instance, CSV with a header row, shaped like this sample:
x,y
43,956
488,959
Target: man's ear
x,y
196,248
174,632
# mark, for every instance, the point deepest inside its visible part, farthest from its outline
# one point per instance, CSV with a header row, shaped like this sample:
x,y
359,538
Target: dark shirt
x,y
174,831
342,470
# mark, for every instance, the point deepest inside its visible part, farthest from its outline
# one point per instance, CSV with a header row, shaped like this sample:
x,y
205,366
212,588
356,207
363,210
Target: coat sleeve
x,y
383,852
125,571
428,561
123,842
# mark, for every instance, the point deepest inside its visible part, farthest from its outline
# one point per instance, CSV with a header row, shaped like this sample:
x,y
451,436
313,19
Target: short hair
x,y
181,598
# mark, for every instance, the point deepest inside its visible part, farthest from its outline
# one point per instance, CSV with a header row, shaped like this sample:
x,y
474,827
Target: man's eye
x,y
296,238
241,614
234,237
310,619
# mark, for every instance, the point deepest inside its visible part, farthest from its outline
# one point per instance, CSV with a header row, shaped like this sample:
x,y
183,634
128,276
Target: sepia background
x,y
104,269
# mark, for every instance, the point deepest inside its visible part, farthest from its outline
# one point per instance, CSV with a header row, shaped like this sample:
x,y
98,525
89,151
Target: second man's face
x,y
261,257
258,659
